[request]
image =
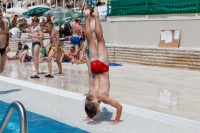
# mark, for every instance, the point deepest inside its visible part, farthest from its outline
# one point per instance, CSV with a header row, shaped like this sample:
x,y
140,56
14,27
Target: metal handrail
x,y
23,117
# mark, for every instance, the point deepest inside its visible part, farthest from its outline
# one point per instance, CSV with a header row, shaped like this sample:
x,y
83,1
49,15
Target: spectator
x,y
99,3
3,4
87,2
65,31
4,10
65,57
24,57
49,18
82,38
77,31
70,57
72,54
25,22
80,4
103,4
70,3
60,3
15,32
14,21
19,49
20,24
42,24
10,4
93,3
49,3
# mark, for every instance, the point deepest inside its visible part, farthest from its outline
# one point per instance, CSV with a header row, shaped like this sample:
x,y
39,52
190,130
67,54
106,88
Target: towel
x,y
114,64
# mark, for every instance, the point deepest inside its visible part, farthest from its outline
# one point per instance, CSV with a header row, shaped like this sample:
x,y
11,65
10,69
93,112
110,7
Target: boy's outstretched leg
x,y
102,50
93,54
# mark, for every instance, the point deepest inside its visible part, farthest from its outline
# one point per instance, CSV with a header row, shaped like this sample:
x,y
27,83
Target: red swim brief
x,y
99,67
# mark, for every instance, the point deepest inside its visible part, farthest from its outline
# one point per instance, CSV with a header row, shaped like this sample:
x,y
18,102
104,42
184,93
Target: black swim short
x,y
2,51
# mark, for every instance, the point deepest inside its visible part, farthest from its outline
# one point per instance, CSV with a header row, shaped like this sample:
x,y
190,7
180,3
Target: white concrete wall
x,y
106,30
147,33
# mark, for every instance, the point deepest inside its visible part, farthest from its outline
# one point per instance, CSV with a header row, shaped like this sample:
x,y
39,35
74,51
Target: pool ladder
x,y
23,117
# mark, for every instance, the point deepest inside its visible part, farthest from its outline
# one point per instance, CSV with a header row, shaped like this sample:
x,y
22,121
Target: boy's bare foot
x,y
46,74
114,123
96,12
35,73
87,13
60,74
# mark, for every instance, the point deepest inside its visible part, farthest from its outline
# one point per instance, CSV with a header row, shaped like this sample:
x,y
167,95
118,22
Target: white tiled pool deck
x,y
155,99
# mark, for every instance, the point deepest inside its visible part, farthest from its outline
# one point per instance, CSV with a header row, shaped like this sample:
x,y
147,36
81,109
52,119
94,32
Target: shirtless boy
x,y
77,31
4,42
36,36
56,49
98,56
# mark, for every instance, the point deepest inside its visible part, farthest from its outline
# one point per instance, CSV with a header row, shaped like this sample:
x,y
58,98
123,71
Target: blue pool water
x,y
36,123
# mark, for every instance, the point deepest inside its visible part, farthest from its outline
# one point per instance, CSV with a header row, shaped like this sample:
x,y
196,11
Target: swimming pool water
x,y
36,123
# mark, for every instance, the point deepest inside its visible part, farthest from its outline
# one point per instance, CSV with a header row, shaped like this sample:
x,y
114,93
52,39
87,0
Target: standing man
x,y
56,49
77,31
4,42
36,36
14,21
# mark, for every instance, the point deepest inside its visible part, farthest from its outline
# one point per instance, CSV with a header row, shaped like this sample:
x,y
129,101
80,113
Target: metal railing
x,y
23,117
152,7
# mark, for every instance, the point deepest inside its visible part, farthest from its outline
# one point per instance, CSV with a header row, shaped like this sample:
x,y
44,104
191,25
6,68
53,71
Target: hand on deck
x,y
87,119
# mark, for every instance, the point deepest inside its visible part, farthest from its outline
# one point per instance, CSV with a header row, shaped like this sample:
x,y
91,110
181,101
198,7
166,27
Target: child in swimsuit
x,y
19,49
72,55
24,57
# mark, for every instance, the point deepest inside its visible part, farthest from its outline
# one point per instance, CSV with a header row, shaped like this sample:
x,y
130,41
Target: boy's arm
x,y
41,35
114,104
81,33
24,56
62,56
7,41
